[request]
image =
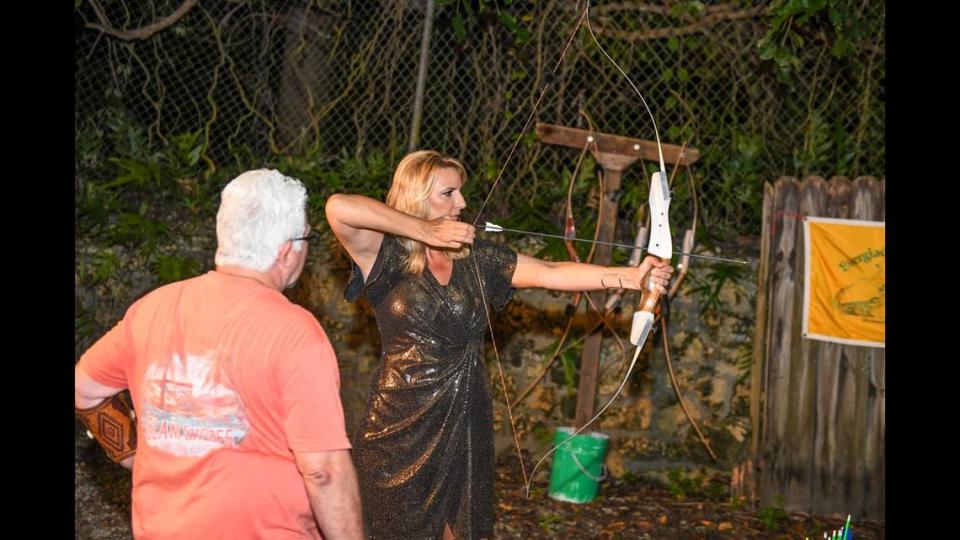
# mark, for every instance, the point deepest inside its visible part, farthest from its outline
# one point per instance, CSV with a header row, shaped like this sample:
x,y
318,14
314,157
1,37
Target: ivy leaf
x,y
834,16
459,28
510,22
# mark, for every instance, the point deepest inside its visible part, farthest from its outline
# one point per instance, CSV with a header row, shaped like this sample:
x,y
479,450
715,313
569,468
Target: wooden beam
x,y
615,144
590,356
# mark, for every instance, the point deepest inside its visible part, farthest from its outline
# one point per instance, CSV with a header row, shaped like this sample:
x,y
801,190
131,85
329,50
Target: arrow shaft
x,y
613,244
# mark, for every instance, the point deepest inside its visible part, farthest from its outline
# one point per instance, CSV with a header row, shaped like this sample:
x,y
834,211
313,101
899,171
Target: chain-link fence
x,y
244,81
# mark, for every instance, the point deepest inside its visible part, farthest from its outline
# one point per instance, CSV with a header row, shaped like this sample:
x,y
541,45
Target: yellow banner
x,y
845,281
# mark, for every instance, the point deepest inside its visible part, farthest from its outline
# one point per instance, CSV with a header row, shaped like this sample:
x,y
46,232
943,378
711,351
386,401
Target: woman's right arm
x,y
360,223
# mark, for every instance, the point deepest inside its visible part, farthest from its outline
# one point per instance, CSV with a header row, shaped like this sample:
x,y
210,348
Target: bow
x,y
660,246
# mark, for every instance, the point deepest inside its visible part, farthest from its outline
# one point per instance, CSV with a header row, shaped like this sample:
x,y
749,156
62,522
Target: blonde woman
x,y
424,449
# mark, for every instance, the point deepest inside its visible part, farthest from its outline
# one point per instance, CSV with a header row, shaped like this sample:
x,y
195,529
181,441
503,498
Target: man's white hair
x,y
259,211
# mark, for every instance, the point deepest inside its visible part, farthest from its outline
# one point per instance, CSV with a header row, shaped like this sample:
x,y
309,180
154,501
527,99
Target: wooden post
x,y
614,153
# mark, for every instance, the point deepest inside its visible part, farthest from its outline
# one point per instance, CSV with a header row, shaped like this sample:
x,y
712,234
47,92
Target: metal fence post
x,y
421,78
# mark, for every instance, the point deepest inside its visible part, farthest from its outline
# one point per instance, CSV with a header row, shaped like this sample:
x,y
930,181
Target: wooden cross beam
x,y
614,153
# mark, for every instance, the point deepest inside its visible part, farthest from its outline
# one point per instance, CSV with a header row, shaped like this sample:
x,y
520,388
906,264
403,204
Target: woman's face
x,y
446,201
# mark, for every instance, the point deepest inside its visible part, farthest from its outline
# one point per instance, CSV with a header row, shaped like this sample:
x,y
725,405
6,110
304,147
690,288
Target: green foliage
x,y
541,433
472,17
629,477
105,265
796,24
708,284
369,174
170,268
548,521
140,178
740,173
826,147
570,362
683,484
83,321
773,516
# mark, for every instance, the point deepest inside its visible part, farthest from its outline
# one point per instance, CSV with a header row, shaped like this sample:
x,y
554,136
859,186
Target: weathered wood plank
x,y
616,144
824,498
801,398
759,344
780,332
862,461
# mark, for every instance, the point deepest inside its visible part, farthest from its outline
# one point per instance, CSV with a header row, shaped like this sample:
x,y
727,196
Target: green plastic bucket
x,y
577,466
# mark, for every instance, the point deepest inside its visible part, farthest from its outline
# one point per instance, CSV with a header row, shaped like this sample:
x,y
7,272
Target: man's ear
x,y
284,253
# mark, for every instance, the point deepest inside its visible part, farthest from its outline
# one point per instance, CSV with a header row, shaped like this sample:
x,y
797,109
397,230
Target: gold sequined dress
x,y
424,449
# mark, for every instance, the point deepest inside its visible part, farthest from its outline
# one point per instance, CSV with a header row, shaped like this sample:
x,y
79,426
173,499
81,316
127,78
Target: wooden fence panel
x,y
822,405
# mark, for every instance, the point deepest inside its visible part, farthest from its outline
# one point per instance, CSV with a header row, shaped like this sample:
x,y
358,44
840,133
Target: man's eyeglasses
x,y
314,235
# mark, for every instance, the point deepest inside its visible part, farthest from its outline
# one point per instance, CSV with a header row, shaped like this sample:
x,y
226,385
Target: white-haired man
x,y
240,430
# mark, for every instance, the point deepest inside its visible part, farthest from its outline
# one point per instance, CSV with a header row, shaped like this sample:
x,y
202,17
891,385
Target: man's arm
x,y
88,392
331,483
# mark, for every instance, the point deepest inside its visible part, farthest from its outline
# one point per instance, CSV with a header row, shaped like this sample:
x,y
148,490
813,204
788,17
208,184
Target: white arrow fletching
x,y
492,227
642,323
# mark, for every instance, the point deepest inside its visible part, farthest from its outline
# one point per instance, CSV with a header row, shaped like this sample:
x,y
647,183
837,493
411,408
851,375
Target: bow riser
x,y
661,246
660,243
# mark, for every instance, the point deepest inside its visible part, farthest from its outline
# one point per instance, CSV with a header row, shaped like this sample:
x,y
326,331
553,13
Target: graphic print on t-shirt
x,y
189,409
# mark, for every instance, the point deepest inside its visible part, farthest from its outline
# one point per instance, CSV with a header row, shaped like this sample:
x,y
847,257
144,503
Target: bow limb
x,y
689,238
676,389
690,234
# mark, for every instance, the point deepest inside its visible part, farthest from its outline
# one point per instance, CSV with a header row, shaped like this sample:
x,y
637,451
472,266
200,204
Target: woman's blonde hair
x,y
413,182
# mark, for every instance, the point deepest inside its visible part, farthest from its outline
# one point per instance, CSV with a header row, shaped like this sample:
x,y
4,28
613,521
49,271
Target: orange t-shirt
x,y
228,377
